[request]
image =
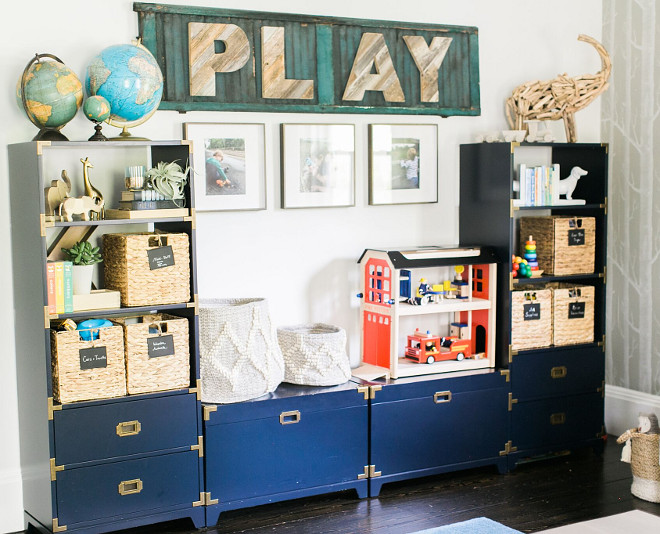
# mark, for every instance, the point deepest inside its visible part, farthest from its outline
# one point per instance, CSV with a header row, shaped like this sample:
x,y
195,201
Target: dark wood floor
x,y
533,497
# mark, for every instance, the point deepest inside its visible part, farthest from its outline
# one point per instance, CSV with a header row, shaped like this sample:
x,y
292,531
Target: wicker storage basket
x,y
240,358
645,464
564,245
314,355
82,374
531,317
573,314
144,270
144,337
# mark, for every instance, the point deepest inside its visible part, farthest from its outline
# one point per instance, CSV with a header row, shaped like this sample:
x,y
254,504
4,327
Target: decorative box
x,y
88,370
573,314
148,268
157,352
531,318
564,245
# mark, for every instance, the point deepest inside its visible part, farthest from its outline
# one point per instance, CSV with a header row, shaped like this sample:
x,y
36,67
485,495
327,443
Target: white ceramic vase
x,y
82,279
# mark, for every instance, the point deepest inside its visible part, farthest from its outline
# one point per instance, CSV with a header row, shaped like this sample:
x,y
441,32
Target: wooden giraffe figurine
x,y
90,190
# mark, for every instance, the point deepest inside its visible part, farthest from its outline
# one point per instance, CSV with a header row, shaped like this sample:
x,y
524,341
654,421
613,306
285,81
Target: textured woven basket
x,y
71,383
554,253
534,333
145,374
645,464
314,355
127,269
568,327
240,358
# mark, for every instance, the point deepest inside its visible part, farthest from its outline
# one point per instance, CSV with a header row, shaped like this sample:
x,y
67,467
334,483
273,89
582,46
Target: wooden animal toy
x,y
568,184
90,190
83,206
560,97
56,193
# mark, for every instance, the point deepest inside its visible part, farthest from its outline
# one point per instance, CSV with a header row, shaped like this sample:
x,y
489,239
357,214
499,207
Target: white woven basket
x,y
240,358
314,355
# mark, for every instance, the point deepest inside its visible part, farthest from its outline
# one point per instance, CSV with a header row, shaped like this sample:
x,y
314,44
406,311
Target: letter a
x,y
274,83
373,51
204,62
428,60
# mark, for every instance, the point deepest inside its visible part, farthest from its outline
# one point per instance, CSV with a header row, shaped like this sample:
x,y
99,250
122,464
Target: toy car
x,y
425,348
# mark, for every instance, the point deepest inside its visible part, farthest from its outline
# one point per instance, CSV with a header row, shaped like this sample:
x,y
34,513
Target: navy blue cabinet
x,y
103,464
295,442
557,391
427,425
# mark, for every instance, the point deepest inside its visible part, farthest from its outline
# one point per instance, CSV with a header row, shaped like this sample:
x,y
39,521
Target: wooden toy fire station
x,y
428,310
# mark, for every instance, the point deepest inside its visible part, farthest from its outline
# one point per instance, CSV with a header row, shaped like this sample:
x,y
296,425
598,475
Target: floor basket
x,y
314,355
645,464
240,358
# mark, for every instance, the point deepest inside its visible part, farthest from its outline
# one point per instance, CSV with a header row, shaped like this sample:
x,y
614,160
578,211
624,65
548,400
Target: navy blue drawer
x,y
149,485
564,421
124,428
285,443
446,424
556,373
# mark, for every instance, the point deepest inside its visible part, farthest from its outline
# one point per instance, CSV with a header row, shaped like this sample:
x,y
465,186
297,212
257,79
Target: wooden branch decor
x,y
560,97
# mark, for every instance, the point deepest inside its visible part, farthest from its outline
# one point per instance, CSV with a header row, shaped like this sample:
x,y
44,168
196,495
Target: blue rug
x,y
480,525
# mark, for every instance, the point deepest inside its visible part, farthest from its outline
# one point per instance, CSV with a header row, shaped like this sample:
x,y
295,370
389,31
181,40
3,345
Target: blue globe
x,y
129,78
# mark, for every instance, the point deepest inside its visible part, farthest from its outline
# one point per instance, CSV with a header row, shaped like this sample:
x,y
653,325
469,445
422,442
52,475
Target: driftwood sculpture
x,y
560,97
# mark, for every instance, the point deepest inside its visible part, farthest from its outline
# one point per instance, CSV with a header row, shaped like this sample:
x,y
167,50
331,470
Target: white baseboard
x,y
11,503
623,406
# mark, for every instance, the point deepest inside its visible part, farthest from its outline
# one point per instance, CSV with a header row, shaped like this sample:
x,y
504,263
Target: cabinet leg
x,y
374,487
362,490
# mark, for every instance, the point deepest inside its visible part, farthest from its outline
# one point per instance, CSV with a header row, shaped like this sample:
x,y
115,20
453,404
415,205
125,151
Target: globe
x,y
96,108
128,76
50,93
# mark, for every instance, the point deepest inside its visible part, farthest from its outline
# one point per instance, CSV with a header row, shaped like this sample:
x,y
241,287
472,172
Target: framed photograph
x,y
403,163
318,165
229,162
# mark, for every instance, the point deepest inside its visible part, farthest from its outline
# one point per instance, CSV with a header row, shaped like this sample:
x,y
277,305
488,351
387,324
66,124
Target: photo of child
x,y
405,163
225,166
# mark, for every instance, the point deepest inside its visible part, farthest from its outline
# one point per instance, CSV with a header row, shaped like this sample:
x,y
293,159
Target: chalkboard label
x,y
160,346
93,358
576,237
576,310
532,312
160,257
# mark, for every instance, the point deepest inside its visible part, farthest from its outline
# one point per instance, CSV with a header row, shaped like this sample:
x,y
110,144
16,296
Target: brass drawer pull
x,y
559,372
558,418
289,418
128,428
129,487
442,396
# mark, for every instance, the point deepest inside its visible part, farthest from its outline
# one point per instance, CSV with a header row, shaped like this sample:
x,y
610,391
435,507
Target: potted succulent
x,y
84,256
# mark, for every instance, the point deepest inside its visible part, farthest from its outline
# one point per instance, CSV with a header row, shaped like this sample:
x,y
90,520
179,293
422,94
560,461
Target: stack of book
x,y
538,185
59,281
145,203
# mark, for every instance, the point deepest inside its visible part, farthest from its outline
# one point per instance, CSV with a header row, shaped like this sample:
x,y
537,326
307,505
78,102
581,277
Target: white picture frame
x,y
403,164
230,165
318,165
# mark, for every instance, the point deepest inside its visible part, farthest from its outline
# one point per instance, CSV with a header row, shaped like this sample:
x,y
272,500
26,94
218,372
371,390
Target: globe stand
x,y
125,135
98,136
50,134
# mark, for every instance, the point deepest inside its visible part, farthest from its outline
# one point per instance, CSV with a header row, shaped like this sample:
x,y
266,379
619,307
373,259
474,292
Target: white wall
x,y
303,261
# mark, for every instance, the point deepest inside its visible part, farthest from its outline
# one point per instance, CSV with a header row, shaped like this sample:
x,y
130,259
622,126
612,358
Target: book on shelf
x,y
128,195
146,214
149,204
50,287
59,286
538,186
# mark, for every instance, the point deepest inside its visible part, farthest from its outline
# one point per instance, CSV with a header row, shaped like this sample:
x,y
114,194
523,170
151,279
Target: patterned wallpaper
x,y
630,120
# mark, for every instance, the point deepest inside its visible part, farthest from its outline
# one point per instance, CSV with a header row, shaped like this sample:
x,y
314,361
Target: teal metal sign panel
x,y
229,60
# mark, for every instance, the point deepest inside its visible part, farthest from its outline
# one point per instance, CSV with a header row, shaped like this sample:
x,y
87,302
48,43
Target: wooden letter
x,y
373,52
204,62
428,60
274,83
